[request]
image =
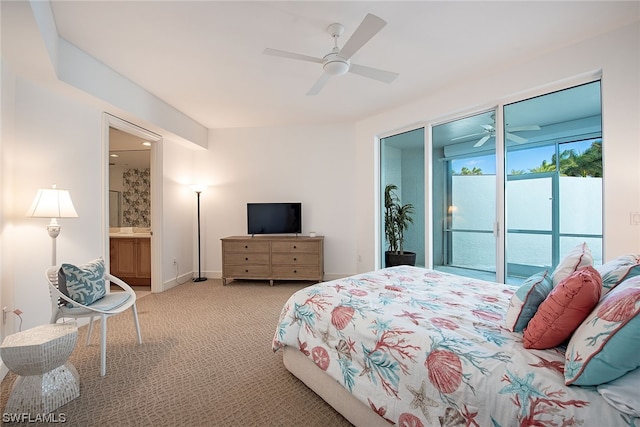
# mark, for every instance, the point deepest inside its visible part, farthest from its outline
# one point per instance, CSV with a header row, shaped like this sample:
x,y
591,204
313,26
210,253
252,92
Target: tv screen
x,y
274,218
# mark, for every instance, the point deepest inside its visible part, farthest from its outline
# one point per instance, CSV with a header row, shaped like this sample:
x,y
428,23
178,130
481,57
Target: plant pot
x,y
393,258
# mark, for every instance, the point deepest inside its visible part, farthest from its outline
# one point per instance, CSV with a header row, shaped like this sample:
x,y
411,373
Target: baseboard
x,y
183,278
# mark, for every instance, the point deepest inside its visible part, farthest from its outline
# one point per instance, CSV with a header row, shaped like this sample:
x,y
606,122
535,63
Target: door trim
x,y
111,121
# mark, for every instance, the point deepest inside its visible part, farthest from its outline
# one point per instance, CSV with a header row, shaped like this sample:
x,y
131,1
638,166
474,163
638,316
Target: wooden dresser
x,y
272,258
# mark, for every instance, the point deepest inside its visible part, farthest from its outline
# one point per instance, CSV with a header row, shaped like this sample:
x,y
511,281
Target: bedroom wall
x,y
616,54
58,139
52,133
310,164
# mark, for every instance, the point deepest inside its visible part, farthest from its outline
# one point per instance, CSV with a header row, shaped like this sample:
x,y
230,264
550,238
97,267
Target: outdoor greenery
x,y
587,164
570,163
397,218
466,171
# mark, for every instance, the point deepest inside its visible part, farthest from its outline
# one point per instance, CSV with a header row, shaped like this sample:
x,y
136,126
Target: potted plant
x,y
397,218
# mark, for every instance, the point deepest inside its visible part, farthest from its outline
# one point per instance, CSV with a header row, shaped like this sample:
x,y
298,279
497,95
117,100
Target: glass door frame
x,y
500,231
380,243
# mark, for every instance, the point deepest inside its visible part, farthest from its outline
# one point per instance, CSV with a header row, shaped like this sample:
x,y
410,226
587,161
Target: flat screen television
x,y
274,218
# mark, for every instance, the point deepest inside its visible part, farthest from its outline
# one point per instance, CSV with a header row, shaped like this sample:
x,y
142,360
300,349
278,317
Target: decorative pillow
x,y
618,269
607,344
84,284
524,303
564,309
577,258
623,394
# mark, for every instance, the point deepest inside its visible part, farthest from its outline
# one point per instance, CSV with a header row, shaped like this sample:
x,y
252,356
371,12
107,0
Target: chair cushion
x,y
568,304
110,301
526,300
84,284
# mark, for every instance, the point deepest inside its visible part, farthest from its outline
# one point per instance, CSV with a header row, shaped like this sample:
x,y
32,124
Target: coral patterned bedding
x,y
424,348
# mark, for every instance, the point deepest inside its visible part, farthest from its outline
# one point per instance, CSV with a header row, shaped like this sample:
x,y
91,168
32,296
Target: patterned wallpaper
x,y
136,198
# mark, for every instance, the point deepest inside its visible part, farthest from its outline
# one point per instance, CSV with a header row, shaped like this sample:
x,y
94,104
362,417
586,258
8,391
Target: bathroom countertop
x,y
129,235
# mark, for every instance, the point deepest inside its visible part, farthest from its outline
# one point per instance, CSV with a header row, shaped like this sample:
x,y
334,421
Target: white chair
x,y
111,304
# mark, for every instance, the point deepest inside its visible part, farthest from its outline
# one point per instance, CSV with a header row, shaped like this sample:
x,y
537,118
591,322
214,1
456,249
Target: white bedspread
x,y
425,348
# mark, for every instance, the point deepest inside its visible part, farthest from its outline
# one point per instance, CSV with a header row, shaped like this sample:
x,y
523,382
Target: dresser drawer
x,y
258,271
246,246
246,258
294,259
295,271
272,258
298,246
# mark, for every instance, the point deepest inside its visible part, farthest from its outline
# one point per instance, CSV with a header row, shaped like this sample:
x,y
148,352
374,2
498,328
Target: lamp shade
x,y
52,203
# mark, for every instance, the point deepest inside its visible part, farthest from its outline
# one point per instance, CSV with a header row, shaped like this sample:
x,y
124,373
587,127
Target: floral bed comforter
x,y
425,348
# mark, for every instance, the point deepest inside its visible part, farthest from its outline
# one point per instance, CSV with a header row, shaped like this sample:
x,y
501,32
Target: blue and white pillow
x,y
84,284
617,270
525,302
606,345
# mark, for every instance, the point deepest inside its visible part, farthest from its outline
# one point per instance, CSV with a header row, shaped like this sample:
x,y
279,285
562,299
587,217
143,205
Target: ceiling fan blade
x,y
319,84
522,128
291,55
369,27
482,141
468,136
515,138
373,73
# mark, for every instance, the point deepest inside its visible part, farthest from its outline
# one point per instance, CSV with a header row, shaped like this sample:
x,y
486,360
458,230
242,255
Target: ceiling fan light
x,y
336,67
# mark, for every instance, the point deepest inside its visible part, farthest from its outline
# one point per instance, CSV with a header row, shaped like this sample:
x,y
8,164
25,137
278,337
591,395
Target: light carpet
x,y
206,360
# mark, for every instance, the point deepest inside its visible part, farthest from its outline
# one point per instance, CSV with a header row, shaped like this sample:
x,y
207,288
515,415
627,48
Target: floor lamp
x,y
52,203
198,190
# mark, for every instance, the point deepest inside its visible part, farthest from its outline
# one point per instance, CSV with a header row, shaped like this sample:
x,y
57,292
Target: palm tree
x,y
397,218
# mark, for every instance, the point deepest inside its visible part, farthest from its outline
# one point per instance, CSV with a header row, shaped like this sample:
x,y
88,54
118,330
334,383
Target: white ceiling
x,y
206,58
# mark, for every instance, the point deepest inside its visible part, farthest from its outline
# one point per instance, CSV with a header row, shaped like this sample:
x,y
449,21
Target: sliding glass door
x,y
553,165
402,165
464,195
548,197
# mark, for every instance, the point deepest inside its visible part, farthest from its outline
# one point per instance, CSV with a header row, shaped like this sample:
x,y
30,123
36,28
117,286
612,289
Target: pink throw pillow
x,y
560,314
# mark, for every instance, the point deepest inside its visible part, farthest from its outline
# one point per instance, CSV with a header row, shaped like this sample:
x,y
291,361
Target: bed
x,y
416,347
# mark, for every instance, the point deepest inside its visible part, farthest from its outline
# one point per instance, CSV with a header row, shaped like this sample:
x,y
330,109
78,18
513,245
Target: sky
x,y
517,159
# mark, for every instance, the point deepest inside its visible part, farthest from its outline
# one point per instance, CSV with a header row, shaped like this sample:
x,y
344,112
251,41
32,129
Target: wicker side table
x,y
39,356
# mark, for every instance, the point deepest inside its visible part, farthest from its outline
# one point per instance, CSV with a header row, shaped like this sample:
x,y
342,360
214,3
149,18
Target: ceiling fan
x,y
337,62
489,131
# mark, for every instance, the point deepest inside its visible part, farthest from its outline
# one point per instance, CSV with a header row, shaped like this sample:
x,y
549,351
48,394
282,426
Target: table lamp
x,y
52,203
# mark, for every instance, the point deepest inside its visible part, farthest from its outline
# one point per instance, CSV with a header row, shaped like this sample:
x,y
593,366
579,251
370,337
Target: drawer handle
x,y
295,271
246,258
295,259
246,247
295,247
246,271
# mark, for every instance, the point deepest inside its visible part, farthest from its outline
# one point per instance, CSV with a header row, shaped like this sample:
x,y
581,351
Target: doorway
x,y
133,203
130,208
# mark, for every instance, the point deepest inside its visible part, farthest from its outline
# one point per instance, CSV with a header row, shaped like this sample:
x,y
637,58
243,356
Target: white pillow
x,y
577,258
622,393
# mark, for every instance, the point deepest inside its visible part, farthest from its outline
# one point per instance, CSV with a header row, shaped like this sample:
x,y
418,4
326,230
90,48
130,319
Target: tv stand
x,y
272,258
